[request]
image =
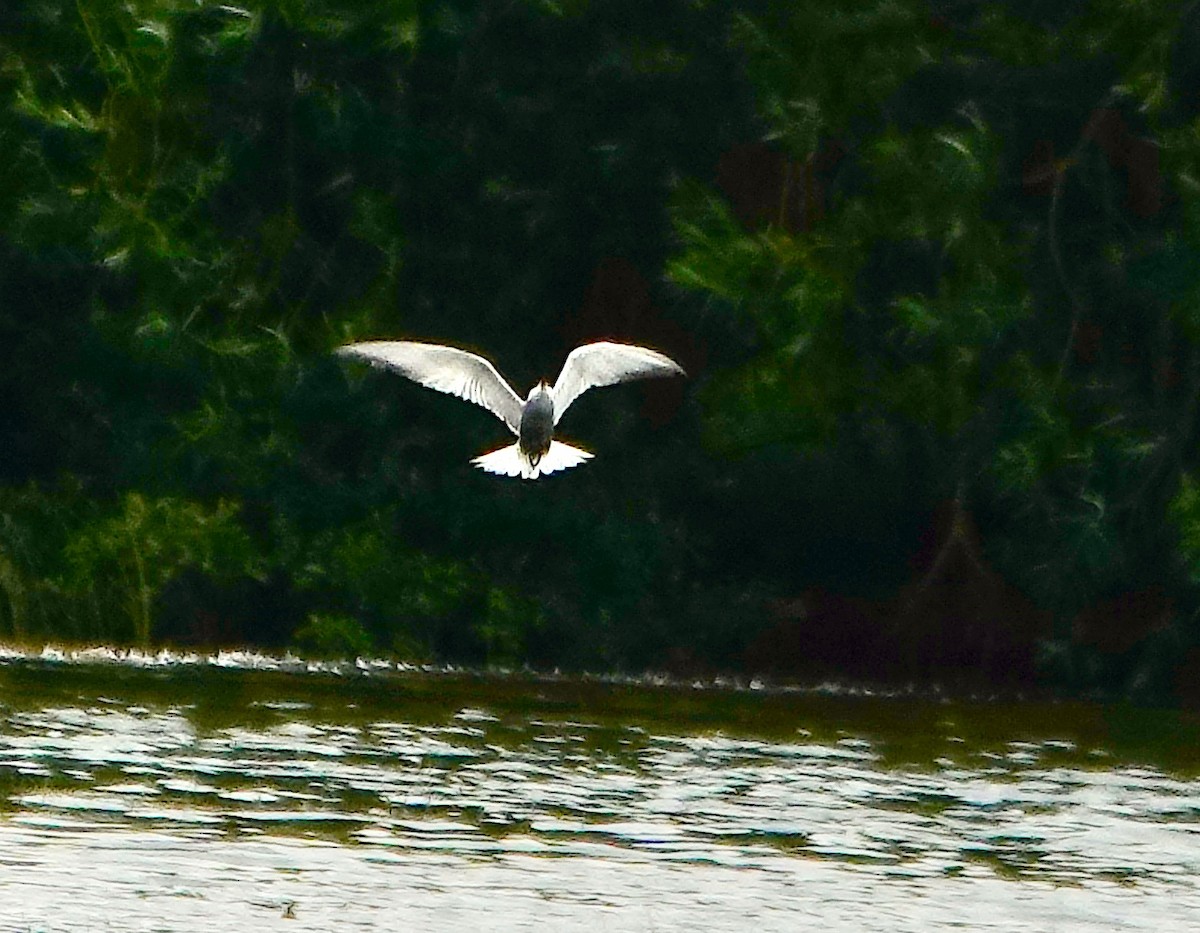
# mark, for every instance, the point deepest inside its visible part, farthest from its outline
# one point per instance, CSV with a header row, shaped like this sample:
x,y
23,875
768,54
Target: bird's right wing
x,y
447,369
603,364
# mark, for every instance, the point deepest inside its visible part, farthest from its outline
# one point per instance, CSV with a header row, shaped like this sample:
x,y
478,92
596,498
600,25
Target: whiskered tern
x,y
471,377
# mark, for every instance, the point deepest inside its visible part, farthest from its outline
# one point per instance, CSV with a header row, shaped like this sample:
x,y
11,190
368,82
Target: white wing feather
x,y
603,364
447,369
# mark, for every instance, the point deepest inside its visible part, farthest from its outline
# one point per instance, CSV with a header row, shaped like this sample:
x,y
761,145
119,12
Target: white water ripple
x,y
122,813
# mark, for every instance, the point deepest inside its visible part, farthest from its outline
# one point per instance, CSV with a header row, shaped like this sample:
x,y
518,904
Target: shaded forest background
x,y
933,267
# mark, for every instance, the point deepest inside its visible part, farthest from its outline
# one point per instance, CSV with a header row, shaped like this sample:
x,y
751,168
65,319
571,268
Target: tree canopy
x,y
932,267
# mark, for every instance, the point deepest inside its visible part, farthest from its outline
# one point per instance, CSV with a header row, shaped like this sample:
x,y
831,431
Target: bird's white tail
x,y
509,461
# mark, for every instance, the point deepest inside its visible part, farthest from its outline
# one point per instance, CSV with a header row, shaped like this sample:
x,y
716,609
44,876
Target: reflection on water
x,y
199,797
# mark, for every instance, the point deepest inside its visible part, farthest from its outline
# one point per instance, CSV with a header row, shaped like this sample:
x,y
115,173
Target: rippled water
x,y
194,797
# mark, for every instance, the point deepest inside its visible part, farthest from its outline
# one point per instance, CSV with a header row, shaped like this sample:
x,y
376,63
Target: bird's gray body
x,y
533,419
537,424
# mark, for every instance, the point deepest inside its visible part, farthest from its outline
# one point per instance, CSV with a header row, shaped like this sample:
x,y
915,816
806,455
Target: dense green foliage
x,y
910,252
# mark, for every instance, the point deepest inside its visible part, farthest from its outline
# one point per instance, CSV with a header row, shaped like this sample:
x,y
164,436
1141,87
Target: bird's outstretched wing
x,y
447,369
603,364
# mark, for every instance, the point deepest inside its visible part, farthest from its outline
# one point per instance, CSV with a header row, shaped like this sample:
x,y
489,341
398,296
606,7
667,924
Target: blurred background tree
x,y
932,267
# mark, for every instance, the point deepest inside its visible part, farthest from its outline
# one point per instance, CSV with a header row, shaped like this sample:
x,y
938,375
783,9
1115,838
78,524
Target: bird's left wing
x,y
603,364
447,369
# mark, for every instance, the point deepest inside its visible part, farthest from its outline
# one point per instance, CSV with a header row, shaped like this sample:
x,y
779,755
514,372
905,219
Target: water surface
x,y
189,796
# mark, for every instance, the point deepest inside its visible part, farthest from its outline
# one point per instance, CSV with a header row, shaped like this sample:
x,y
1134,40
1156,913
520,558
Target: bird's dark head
x,y
539,405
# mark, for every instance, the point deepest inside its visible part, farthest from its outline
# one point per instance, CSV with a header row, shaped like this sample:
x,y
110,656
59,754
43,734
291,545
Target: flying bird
x,y
532,420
